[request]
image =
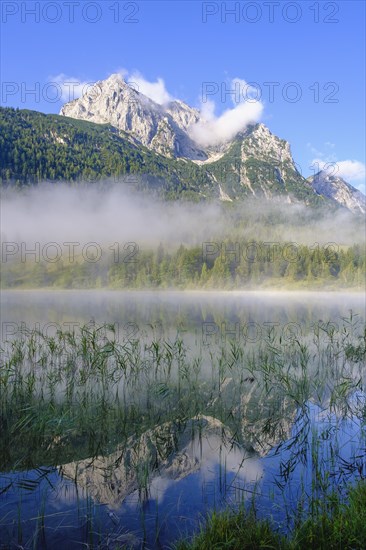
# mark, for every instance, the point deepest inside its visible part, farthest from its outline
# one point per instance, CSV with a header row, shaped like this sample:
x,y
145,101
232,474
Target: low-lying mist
x,y
110,213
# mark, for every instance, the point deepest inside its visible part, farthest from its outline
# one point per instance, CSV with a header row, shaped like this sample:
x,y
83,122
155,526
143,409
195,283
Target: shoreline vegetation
x,y
269,287
333,525
300,267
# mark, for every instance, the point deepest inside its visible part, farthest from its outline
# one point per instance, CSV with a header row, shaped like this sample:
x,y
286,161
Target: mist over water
x,y
104,214
202,318
109,213
203,393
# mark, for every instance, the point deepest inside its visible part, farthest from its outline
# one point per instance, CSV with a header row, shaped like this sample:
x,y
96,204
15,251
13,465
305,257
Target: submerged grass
x,y
336,525
239,531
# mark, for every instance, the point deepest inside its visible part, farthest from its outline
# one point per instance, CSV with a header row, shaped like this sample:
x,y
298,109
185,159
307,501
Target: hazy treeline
x,y
225,265
104,236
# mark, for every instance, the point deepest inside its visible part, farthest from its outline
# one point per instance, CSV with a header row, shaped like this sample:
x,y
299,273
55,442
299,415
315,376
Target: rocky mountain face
x,y
123,132
160,128
255,163
171,451
338,190
259,164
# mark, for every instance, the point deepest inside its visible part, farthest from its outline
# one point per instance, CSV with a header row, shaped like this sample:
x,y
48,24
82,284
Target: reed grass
x,y
83,394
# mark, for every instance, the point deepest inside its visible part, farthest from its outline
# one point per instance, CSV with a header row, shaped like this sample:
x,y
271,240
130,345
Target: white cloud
x,y
66,87
329,166
353,171
328,156
70,88
243,91
153,90
361,187
122,72
350,170
212,130
208,110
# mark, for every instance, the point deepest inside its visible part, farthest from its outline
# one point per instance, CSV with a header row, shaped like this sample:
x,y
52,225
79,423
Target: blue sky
x,y
315,50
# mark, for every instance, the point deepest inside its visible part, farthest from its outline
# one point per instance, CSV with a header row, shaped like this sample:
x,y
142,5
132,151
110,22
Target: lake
x,y
127,416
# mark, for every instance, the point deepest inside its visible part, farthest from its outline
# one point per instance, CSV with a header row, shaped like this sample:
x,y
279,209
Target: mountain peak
x,y
160,128
260,141
266,166
164,128
337,189
115,77
261,128
255,164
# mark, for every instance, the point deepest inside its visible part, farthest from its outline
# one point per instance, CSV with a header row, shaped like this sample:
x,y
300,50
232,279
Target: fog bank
x,y
107,214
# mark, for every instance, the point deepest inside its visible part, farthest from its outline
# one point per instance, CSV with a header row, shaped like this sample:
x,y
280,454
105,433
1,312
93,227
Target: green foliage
x,y
35,147
339,526
61,401
262,175
235,532
336,524
187,267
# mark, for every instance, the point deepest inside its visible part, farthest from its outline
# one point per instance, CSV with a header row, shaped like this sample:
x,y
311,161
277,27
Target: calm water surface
x,y
266,394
